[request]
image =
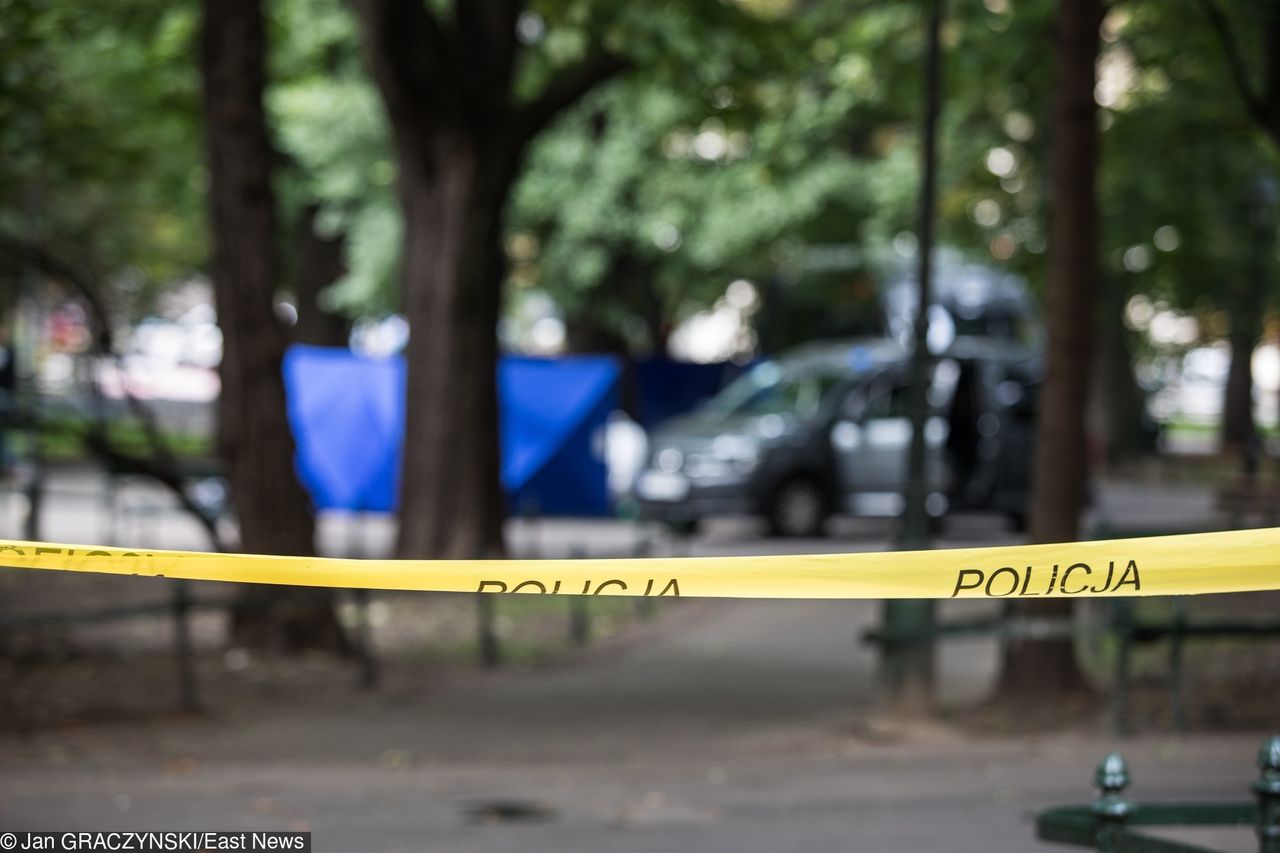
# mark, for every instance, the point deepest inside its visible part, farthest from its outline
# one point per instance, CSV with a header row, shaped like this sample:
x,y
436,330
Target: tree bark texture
x,y
254,437
459,133
1060,461
1043,668
451,500
1118,403
1238,428
255,442
318,263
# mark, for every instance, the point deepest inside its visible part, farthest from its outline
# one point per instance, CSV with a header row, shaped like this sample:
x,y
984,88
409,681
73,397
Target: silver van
x,y
825,429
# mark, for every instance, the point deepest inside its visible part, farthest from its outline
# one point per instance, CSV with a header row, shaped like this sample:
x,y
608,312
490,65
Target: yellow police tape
x,y
1235,561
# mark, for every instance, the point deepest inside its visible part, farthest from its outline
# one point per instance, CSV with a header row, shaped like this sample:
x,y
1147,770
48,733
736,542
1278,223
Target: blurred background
x,y
593,279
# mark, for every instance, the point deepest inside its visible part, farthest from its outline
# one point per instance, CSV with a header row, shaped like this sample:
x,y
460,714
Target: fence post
x,y
487,629
644,605
1267,789
579,611
188,693
1122,627
364,641
641,546
34,488
906,656
1177,704
1110,808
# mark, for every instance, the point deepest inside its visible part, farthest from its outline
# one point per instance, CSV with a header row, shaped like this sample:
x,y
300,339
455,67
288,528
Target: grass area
x,y
537,628
1210,429
531,629
62,439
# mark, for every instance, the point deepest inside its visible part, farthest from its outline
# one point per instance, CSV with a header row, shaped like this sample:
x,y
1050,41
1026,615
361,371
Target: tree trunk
x,y
629,285
584,333
319,263
253,431
459,129
1118,405
1043,669
1238,429
452,190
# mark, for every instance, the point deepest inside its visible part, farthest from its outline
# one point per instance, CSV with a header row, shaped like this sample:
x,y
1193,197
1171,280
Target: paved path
x,y
722,726
727,726
713,756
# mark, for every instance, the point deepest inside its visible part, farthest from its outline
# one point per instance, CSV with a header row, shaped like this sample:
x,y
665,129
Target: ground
x,y
712,725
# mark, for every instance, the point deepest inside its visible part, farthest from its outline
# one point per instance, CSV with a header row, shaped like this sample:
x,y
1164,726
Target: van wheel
x,y
798,508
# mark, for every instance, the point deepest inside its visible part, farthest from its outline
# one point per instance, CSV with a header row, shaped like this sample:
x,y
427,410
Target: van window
x,y
768,389
886,397
889,396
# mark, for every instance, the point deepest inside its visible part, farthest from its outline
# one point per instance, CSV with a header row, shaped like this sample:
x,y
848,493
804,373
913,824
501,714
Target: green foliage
x,y
1181,157
63,438
745,138
330,124
99,156
817,151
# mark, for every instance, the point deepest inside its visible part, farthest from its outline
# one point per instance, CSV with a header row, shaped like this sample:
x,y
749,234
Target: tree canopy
x,y
694,178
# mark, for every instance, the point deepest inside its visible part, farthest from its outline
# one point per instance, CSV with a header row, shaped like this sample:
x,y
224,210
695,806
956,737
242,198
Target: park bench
x,y
1111,822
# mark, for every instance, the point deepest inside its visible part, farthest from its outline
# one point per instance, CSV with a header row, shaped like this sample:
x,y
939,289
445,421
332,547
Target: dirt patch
x,y
126,670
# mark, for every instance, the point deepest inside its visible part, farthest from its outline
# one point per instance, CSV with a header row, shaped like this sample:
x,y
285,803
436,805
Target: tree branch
x,y
163,467
1253,102
565,89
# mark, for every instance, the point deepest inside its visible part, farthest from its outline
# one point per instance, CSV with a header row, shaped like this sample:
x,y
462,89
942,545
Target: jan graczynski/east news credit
x,y
200,842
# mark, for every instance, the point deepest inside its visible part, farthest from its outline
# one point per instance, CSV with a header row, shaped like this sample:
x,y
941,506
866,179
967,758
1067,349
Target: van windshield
x,y
770,388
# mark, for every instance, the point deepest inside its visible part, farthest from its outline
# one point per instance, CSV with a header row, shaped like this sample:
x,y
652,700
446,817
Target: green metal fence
x,y
1113,823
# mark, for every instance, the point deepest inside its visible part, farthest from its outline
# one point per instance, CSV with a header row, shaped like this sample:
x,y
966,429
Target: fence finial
x,y
1267,789
1110,808
1112,776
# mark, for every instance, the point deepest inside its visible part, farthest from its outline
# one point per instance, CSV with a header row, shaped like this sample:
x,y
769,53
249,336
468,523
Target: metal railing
x,y
1112,822
179,608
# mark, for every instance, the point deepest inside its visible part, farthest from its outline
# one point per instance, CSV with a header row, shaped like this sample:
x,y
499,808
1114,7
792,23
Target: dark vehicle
x,y
825,430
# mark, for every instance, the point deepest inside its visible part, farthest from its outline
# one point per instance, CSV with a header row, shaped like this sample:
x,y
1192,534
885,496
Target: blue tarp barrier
x,y
666,388
347,414
553,413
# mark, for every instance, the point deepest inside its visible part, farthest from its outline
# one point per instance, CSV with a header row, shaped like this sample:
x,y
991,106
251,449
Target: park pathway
x,y
718,726
727,726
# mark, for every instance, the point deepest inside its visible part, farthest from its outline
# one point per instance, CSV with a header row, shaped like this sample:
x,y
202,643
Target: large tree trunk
x,y
254,439
1043,669
447,82
452,190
